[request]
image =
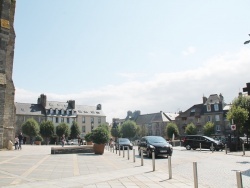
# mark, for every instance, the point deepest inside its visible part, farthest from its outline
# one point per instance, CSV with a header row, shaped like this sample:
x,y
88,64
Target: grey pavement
x,y
34,166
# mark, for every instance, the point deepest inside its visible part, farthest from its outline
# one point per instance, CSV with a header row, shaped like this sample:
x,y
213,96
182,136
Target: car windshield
x,y
124,140
157,139
211,139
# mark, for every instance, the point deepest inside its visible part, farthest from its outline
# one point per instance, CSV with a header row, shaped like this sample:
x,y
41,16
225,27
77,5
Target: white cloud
x,y
168,92
189,50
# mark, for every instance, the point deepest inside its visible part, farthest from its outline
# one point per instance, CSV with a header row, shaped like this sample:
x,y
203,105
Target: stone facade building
x,y
7,89
87,117
212,109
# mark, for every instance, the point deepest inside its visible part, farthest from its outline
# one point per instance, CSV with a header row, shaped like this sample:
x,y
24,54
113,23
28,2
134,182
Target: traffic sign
x,y
233,127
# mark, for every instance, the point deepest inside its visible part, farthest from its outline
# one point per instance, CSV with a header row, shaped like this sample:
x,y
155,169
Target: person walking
x,y
63,140
20,140
16,142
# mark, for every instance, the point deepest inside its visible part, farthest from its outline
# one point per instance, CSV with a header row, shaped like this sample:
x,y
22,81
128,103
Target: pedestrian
x,y
16,142
63,140
20,139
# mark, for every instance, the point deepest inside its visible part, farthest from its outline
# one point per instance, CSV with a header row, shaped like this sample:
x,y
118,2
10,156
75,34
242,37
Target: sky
x,y
132,55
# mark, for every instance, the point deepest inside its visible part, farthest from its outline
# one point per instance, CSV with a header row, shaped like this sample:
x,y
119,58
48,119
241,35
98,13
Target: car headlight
x,y
151,147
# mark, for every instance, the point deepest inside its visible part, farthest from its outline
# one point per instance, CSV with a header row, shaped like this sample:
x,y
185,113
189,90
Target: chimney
x,y
72,104
42,100
99,107
204,99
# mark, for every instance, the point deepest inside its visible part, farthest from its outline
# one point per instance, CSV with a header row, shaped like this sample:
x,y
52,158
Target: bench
x,y
72,149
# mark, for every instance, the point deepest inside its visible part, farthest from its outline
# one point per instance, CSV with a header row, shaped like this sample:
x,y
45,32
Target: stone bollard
x,y
10,145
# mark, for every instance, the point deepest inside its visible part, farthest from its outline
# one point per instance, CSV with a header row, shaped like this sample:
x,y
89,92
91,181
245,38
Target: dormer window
x,y
67,112
56,111
51,111
216,107
209,107
62,111
193,110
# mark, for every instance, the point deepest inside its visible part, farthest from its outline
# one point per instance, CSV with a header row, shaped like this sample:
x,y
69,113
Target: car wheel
x,y
188,147
149,154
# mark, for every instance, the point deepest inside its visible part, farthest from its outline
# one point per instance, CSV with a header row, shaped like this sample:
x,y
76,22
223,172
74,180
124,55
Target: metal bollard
x,y
225,148
141,157
243,149
153,160
169,167
119,151
200,146
239,179
123,151
128,152
115,150
134,155
195,175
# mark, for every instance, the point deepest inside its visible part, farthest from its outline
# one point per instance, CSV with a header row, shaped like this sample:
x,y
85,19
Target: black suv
x,y
205,142
123,142
158,144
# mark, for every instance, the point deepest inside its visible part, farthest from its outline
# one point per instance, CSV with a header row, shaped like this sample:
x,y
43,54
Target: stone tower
x,y
7,89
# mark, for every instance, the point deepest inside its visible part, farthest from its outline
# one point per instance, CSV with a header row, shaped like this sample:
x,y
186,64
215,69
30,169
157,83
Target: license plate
x,y
163,151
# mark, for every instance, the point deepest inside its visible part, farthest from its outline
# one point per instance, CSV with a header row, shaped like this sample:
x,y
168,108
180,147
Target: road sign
x,y
233,127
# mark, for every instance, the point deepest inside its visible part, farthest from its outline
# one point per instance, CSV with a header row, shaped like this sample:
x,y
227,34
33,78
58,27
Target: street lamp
x,y
248,41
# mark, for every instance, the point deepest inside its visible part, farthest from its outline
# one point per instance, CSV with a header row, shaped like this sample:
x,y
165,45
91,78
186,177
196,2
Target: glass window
x,y
208,107
217,127
208,118
92,120
67,120
217,117
51,111
62,119
83,129
216,107
99,120
56,119
83,119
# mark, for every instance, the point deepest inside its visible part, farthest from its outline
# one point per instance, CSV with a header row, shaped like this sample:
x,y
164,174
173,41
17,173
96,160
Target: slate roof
x,y
57,105
88,110
195,110
29,109
151,118
213,99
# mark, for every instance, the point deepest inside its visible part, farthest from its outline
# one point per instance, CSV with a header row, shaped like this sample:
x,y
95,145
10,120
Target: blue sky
x,y
142,55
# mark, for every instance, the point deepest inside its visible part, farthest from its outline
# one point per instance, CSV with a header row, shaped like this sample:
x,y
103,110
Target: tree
x,y
248,41
142,131
238,115
61,129
30,128
244,102
47,130
191,129
209,129
128,129
74,130
171,129
115,132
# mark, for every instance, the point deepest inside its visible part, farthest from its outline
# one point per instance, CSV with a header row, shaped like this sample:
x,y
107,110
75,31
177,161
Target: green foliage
x,y
61,129
141,131
209,128
74,130
115,132
30,128
238,115
171,129
244,102
88,137
47,129
100,135
128,129
39,138
191,129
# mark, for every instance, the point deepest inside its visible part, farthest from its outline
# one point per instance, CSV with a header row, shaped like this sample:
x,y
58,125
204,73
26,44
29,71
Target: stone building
x,y
87,117
212,109
7,89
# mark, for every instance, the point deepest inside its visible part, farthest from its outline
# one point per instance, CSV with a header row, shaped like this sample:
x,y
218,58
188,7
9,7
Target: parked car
x,y
234,141
205,142
73,142
158,144
123,142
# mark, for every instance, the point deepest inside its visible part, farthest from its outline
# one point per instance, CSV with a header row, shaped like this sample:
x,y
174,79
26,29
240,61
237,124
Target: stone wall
x,y
7,89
